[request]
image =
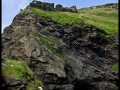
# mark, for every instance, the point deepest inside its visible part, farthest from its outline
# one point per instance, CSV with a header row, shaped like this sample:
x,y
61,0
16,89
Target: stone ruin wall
x,y
50,7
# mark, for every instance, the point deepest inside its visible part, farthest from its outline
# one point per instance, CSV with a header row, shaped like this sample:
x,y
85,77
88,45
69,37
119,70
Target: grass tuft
x,y
16,69
30,86
46,41
34,85
115,67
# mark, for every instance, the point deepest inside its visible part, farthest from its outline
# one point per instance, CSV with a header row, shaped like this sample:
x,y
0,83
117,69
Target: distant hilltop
x,y
109,5
51,7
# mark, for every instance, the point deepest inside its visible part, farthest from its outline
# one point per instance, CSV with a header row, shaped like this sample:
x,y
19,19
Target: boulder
x,y
59,7
74,9
67,9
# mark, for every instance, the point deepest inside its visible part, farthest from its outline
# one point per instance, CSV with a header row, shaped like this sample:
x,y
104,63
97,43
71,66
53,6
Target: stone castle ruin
x,y
50,7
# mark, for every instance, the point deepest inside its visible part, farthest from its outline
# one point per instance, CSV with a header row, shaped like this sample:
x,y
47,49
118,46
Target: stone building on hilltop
x,y
50,6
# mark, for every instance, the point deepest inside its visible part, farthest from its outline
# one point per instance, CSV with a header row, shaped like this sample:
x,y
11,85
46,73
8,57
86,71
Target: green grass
x,y
25,12
30,86
20,70
60,17
103,12
103,18
115,67
38,83
47,42
54,41
34,85
16,69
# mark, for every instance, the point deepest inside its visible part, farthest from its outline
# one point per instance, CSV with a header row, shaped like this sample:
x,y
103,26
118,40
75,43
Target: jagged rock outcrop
x,y
63,57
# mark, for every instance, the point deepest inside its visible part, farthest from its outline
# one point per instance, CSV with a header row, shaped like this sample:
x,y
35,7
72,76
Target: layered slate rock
x,y
63,57
12,84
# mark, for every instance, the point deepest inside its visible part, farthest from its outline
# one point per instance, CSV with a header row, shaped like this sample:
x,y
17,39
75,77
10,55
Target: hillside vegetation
x,y
58,50
20,70
103,18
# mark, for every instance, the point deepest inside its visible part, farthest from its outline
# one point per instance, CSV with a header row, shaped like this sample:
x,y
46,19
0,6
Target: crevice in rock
x,y
81,85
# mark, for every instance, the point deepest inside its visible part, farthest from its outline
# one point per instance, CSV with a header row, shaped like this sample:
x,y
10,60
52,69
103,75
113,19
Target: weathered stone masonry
x,y
50,7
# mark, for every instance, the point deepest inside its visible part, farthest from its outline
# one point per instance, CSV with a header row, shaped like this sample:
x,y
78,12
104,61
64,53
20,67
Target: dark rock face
x,y
86,56
13,84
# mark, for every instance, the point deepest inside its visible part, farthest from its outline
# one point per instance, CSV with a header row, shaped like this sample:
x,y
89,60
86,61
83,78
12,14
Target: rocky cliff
x,y
62,57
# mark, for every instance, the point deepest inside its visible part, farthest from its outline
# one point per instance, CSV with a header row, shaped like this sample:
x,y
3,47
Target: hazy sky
x,y
10,8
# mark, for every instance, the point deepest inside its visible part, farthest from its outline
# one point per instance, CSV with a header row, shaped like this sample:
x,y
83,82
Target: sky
x,y
10,8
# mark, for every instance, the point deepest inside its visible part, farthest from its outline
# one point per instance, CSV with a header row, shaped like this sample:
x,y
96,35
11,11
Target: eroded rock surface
x,y
81,58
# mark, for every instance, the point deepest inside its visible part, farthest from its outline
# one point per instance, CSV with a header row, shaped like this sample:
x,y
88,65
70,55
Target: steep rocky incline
x,y
63,57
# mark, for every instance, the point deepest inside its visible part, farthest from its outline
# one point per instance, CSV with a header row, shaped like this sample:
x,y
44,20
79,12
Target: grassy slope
x,y
19,69
16,69
103,18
